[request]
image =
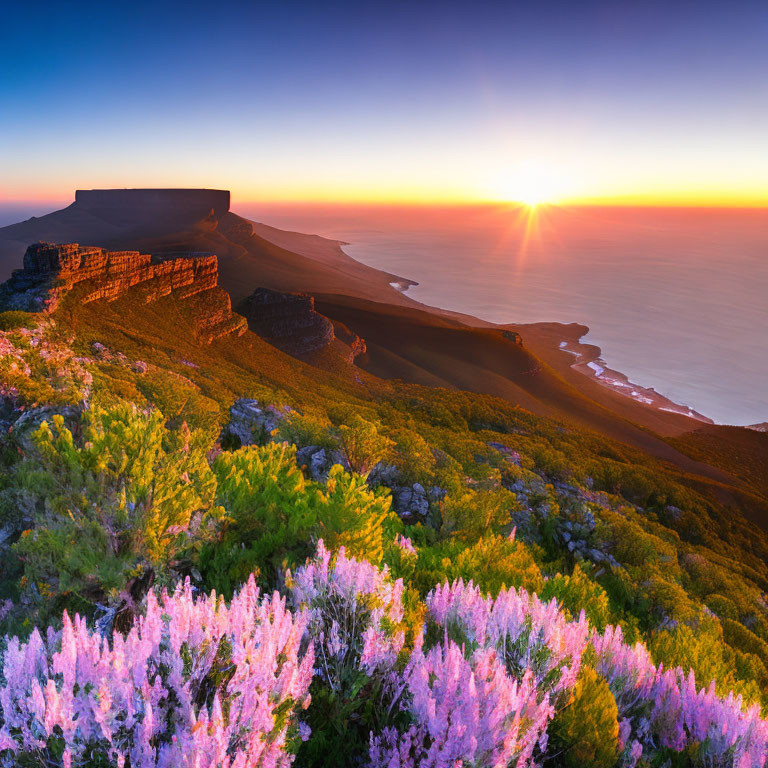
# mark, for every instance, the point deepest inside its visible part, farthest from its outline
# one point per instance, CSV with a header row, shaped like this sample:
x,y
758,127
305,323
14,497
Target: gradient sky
x,y
616,101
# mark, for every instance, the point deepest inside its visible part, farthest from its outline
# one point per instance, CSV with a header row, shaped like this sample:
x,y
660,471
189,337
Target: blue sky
x,y
387,100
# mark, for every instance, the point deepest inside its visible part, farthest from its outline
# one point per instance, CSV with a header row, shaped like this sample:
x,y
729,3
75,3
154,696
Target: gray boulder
x,y
252,423
410,503
513,457
318,461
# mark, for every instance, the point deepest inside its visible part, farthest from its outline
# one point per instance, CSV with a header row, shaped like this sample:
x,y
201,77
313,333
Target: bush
x,y
307,429
270,520
472,514
356,623
363,444
529,636
586,732
126,497
492,562
466,711
187,686
275,516
578,592
412,455
353,516
13,319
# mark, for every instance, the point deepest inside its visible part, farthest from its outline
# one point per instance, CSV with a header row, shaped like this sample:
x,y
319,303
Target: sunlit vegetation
x,y
536,571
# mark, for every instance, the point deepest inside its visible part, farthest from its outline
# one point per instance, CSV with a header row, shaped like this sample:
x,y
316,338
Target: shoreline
x,y
403,284
589,360
590,363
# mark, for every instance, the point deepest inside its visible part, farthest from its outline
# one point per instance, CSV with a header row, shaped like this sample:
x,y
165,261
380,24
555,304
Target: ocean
x,y
677,298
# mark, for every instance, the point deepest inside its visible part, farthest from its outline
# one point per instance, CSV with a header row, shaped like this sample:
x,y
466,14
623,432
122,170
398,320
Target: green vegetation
x,y
587,730
125,497
275,516
136,483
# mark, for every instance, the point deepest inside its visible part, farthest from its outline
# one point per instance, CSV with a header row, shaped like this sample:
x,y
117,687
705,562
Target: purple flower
x,y
140,698
528,634
405,544
354,612
465,712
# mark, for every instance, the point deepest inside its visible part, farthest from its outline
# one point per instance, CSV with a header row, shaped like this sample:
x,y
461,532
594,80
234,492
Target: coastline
x,y
402,284
589,362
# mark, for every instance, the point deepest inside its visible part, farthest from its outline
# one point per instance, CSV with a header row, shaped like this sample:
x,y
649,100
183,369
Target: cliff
x,y
288,321
53,271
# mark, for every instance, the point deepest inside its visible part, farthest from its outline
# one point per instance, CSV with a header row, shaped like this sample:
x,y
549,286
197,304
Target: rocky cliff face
x,y
288,321
355,344
52,271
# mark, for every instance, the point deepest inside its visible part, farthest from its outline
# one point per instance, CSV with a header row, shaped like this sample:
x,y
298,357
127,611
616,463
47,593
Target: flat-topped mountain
x,y
153,202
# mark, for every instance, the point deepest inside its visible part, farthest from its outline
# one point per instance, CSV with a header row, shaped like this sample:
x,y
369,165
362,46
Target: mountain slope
x,y
138,456
406,339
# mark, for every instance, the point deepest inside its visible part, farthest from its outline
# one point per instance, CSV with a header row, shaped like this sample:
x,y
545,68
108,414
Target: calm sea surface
x,y
676,298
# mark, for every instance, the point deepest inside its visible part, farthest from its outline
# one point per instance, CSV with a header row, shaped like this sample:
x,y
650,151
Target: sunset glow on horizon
x,y
431,105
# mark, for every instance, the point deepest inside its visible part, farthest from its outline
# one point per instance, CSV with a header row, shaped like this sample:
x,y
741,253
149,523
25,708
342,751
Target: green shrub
x,y
738,636
578,592
269,520
307,429
492,562
123,497
353,516
586,732
275,516
412,455
363,444
13,319
472,514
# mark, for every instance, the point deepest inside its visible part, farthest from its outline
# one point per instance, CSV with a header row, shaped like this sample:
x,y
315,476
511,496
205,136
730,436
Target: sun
x,y
531,183
532,197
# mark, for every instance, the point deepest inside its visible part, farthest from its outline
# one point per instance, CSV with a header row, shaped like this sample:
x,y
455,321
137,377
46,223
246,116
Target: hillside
x,y
445,549
253,255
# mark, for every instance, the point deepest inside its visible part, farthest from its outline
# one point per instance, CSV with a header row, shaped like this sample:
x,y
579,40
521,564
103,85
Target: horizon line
x,y
391,202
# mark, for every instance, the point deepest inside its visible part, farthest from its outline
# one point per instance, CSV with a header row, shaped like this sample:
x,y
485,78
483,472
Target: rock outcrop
x,y
52,271
288,321
251,422
354,345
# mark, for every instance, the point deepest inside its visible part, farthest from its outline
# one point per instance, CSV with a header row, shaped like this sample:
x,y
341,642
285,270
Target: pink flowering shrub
x,y
663,709
355,615
354,612
465,712
197,683
530,636
194,683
